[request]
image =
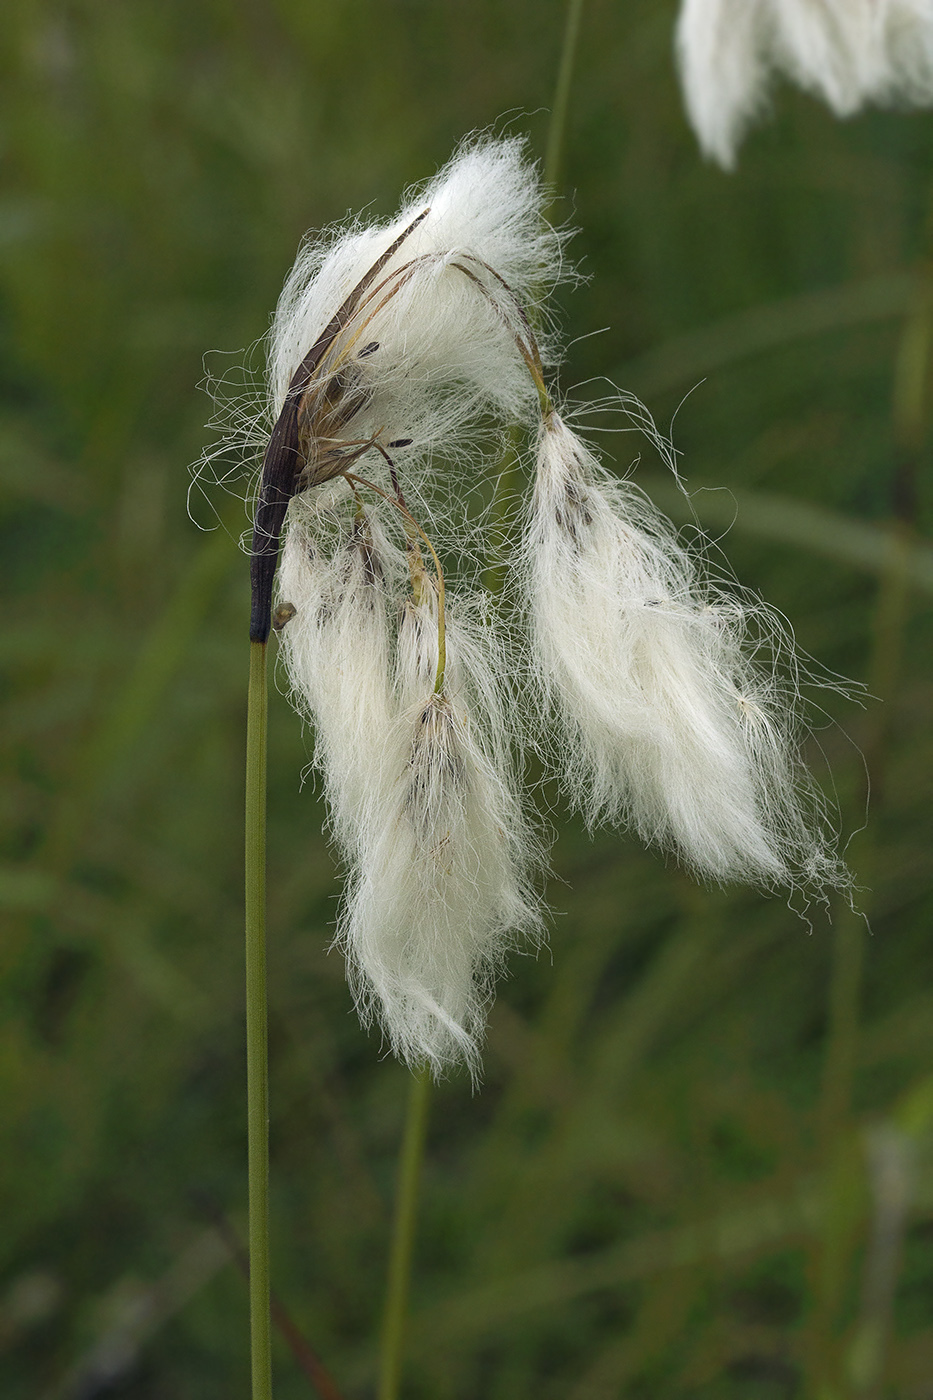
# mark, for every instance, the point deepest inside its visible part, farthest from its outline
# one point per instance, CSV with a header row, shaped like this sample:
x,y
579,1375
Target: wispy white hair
x,y
421,786
339,581
847,52
442,885
667,721
432,347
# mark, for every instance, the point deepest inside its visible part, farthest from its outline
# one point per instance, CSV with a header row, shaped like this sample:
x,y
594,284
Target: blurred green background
x,y
701,1163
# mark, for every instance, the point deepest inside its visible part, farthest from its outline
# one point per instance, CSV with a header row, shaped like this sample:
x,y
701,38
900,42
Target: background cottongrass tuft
x,y
847,52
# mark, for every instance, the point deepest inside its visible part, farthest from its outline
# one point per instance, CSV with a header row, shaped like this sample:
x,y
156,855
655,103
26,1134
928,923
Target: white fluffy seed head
x,y
422,785
442,888
424,799
336,648
847,52
667,723
431,347
666,719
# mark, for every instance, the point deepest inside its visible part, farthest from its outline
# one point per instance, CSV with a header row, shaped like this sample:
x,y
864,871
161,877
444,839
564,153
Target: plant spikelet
x,y
430,346
336,649
393,348
667,721
442,887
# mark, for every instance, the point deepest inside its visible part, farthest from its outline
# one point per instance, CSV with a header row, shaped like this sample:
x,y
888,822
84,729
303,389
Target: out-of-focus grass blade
x,y
137,1311
761,328
815,528
767,1222
161,654
26,889
157,661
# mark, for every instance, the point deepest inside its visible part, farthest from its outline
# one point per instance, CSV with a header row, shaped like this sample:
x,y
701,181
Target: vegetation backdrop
x,y
700,1163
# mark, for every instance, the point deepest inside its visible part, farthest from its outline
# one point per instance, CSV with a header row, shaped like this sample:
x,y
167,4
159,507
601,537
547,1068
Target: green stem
x,y
831,1262
834,1252
509,481
558,122
257,1065
396,1308
403,1235
842,1041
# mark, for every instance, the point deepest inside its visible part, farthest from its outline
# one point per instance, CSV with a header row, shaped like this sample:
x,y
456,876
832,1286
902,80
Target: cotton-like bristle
x,y
848,52
442,888
336,648
666,721
434,347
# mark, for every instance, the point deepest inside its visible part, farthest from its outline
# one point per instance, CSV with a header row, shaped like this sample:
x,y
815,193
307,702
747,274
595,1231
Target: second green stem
x,y
257,1067
403,1234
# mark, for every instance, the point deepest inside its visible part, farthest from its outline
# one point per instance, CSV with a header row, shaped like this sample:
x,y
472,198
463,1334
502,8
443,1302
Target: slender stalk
x,y
257,1066
845,984
510,471
558,122
393,1332
403,1234
832,1262
890,620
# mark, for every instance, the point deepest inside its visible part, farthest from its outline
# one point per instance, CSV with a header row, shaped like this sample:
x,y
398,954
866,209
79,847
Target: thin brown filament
x,y
529,352
346,309
516,302
350,478
401,275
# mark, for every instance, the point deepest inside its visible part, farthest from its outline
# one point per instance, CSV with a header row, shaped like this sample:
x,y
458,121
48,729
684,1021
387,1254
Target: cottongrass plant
x,y
847,52
393,348
671,717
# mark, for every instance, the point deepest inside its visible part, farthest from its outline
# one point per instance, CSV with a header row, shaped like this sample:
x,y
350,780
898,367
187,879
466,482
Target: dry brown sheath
x,y
284,462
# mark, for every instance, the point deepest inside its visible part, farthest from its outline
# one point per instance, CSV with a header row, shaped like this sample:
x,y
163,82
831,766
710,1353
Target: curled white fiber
x,y
442,888
667,721
336,648
432,345
847,52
